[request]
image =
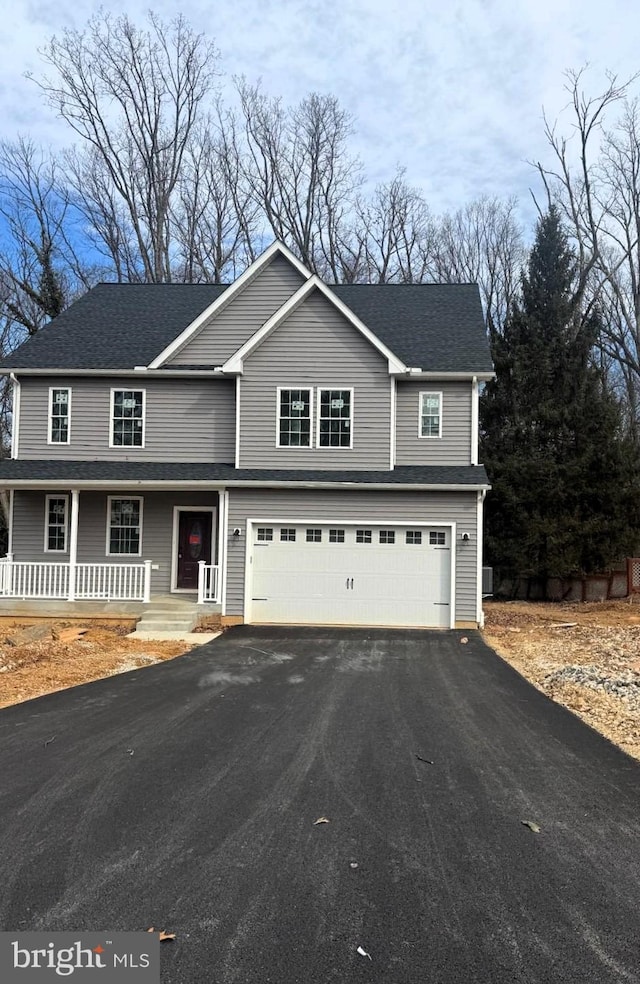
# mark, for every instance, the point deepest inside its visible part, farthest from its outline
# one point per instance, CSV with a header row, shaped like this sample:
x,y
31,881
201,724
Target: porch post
x,y
73,543
201,566
147,582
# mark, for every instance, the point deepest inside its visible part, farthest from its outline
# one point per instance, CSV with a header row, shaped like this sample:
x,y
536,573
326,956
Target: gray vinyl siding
x,y
454,447
374,507
157,529
228,330
186,420
315,346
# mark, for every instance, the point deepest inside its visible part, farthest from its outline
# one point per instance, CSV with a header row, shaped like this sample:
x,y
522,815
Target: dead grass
x,y
531,636
39,668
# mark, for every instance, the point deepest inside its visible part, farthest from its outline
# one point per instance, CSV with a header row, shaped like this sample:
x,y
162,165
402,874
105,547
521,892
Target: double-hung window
x,y
294,418
430,424
332,425
124,526
127,418
59,415
56,523
334,418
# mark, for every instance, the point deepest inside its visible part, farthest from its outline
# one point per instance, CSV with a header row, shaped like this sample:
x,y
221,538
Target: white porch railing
x,y
208,583
96,582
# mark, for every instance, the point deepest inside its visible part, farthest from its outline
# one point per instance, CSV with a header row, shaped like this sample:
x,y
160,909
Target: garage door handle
x,y
347,584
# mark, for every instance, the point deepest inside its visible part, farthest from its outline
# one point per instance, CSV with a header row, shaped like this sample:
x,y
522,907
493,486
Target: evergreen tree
x,y
564,476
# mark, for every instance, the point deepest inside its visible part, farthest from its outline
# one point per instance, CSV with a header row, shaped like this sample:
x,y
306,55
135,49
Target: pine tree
x,y
564,497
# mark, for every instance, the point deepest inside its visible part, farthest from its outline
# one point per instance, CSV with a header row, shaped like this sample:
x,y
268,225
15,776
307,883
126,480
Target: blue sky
x,y
454,93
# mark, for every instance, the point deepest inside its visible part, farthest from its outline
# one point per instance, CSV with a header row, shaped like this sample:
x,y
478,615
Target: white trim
x,y
15,416
294,447
430,437
393,413
175,543
10,530
235,362
237,422
418,375
226,297
110,498
480,538
58,389
223,535
474,420
352,417
133,389
308,521
47,499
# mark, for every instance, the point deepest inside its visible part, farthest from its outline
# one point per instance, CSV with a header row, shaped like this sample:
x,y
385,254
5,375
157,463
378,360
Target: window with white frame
x,y
430,415
294,418
124,526
334,418
127,418
59,414
56,523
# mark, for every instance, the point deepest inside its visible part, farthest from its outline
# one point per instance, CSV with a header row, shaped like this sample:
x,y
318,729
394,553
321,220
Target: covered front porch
x,y
113,547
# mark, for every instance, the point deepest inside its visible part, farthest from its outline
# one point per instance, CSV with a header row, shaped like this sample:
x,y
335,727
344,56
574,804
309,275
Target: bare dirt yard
x,y
69,654
585,656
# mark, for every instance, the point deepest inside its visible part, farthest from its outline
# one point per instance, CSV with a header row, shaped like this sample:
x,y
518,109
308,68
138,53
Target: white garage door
x,y
350,575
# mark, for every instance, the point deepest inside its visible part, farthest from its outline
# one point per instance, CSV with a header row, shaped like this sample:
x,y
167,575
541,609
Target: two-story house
x,y
295,452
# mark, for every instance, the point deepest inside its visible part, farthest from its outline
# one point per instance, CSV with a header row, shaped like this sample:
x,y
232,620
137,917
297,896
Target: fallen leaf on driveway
x,y
353,864
464,640
363,953
531,825
321,820
426,761
162,935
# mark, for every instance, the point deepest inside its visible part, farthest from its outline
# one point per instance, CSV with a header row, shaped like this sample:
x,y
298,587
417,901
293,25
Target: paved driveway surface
x,y
183,796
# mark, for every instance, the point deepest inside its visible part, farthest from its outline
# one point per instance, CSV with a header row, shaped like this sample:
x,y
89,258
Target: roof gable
x,y
222,302
235,363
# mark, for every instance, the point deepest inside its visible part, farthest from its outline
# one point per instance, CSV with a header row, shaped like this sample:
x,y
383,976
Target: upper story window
x,y
56,523
127,418
430,424
124,526
294,418
334,418
59,416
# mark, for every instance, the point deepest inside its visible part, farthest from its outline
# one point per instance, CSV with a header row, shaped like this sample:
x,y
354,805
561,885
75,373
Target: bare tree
x,y
217,220
394,236
299,172
40,267
135,97
483,243
594,178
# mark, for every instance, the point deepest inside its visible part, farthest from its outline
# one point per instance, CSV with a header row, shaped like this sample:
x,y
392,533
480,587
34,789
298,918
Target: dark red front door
x,y
194,544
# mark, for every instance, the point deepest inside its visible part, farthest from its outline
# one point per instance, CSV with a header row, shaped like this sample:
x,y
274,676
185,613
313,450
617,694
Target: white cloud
x,y
454,93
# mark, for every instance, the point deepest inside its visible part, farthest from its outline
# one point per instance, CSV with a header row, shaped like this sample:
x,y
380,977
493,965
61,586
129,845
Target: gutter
x,y
168,484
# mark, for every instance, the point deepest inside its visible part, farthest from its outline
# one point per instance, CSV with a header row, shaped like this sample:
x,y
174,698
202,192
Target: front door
x,y
194,544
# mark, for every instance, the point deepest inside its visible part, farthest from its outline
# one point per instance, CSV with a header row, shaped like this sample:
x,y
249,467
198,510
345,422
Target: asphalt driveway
x,y
184,796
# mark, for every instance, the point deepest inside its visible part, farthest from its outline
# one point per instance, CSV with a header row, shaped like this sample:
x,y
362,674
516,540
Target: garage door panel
x,y
300,575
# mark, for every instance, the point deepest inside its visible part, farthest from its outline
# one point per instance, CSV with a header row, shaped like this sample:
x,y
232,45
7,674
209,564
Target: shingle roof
x,y
22,470
434,327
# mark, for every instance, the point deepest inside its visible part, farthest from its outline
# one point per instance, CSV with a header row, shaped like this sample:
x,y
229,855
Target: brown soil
x,y
38,668
540,641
